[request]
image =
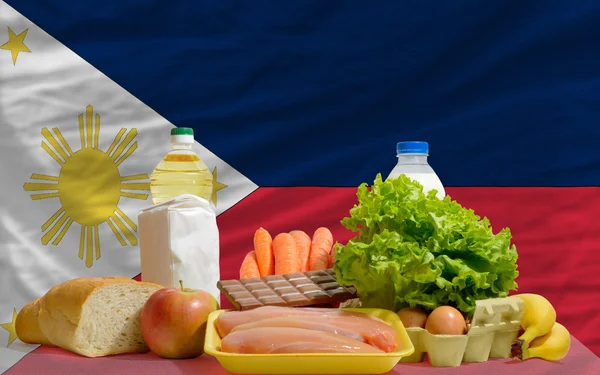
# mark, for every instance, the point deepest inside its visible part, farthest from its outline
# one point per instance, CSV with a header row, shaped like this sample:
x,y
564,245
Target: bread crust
x,y
59,311
27,325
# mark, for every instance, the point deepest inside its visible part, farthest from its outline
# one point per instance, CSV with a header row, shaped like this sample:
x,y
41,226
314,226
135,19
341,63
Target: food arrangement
x,y
428,276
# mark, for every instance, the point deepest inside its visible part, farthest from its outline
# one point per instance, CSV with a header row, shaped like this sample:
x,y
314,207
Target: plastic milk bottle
x,y
412,161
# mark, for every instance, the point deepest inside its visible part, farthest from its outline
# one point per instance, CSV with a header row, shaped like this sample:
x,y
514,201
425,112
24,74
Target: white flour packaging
x,y
179,240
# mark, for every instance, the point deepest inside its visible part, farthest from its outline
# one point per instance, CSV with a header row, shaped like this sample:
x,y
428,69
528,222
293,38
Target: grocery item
x,y
446,320
320,249
173,321
538,319
553,346
179,240
543,337
231,319
27,325
90,316
289,252
494,325
285,254
332,257
181,171
315,323
272,340
249,268
412,162
263,246
294,289
412,317
418,252
362,328
310,363
303,244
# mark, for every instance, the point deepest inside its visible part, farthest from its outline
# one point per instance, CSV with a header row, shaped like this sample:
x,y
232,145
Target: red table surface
x,y
55,361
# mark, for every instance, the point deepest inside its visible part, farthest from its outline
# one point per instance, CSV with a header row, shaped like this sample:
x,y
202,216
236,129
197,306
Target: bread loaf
x,y
90,316
27,325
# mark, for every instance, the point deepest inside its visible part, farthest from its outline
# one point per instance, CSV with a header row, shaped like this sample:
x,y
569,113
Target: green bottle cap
x,y
182,131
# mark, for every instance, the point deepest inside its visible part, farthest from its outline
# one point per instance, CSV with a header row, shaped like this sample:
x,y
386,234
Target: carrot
x,y
332,256
286,254
249,266
320,248
303,245
263,246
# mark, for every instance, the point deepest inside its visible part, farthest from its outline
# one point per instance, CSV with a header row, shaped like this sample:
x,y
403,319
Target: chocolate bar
x,y
293,289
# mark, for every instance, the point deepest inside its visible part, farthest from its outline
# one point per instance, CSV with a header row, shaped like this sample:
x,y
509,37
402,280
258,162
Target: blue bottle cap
x,y
412,147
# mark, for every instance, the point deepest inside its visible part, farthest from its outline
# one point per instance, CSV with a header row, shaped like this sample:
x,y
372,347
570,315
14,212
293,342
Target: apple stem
x,y
181,283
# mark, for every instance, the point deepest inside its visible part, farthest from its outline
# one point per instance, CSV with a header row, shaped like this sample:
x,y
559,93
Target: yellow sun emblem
x,y
89,186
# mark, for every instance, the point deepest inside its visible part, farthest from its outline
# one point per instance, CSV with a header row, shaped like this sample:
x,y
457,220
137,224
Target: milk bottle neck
x,y
412,159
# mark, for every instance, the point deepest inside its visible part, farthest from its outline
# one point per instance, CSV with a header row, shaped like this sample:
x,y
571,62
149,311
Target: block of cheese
x,y
179,240
91,316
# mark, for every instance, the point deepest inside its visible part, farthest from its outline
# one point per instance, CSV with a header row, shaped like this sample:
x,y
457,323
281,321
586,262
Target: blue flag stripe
x,y
318,93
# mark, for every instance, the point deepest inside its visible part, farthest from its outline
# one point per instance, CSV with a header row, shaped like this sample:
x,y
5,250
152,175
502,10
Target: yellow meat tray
x,y
311,363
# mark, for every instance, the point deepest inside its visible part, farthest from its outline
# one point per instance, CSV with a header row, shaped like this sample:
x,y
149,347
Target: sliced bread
x,y
90,316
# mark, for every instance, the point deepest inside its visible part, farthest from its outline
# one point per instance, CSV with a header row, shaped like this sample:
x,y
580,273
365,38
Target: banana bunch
x,y
543,336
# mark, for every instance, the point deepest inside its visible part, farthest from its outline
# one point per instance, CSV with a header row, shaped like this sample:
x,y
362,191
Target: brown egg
x,y
446,320
412,317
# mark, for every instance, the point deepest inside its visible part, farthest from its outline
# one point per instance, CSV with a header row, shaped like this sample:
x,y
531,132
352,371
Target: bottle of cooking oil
x,y
181,171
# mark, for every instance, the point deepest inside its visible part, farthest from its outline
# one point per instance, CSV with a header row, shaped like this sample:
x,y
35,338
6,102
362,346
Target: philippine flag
x,y
293,105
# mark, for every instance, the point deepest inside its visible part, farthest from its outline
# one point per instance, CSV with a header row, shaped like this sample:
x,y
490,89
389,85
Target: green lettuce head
x,y
413,249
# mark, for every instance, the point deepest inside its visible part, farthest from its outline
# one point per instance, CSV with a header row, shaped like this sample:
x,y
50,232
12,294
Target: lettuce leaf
x,y
412,249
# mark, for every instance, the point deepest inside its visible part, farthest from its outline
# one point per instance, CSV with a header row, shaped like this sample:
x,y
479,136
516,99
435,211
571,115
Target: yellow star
x,y
15,44
216,187
10,327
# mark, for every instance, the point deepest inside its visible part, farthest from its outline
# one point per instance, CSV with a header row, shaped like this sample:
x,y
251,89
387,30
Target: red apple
x,y
173,321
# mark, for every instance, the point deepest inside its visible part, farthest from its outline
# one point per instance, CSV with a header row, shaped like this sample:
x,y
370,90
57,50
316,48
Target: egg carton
x,y
495,324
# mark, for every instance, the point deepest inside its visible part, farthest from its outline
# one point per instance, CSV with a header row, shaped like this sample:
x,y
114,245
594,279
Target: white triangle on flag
x,y
46,88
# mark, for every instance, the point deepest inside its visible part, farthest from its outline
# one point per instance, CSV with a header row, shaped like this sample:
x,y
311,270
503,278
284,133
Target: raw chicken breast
x,y
230,319
361,328
299,322
271,340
